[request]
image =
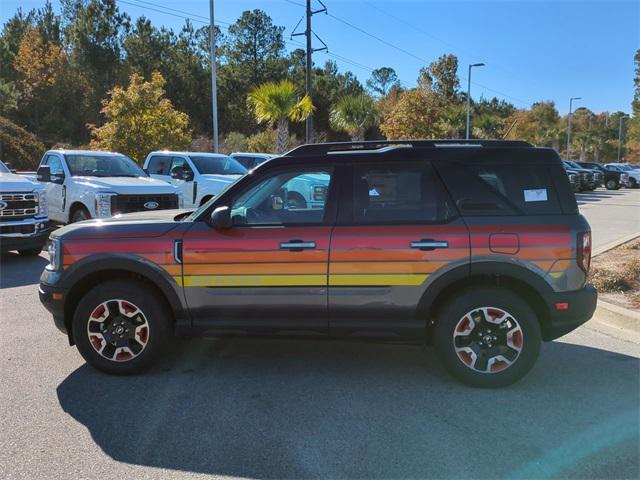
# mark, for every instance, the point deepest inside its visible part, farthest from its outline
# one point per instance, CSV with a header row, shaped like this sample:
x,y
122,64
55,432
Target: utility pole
x,y
469,98
622,117
309,63
569,125
214,89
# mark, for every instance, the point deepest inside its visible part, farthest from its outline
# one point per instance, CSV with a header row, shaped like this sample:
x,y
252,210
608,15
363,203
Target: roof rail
x,y
368,145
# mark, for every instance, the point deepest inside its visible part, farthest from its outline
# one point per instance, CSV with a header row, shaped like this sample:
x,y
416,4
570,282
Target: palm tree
x,y
354,114
278,104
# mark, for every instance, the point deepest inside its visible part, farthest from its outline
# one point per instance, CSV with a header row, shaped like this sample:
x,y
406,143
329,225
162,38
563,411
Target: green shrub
x,y
19,147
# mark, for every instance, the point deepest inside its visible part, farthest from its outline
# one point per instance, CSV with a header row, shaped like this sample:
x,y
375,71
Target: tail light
x,y
584,251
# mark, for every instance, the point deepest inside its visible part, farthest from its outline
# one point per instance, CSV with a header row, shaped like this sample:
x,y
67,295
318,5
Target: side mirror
x,y
221,218
187,175
44,174
177,173
146,170
58,179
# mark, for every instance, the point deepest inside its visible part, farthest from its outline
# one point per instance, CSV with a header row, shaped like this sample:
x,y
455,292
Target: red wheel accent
x,y
516,339
96,342
143,334
123,356
98,312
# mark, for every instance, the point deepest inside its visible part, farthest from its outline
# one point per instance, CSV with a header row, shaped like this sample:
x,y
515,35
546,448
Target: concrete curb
x,y
618,316
614,244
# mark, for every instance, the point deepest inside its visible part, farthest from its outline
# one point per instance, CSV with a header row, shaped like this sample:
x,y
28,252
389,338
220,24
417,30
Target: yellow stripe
x,y
252,280
377,280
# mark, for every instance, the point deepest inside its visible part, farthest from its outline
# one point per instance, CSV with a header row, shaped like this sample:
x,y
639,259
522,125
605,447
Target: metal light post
x,y
214,89
569,124
622,117
469,97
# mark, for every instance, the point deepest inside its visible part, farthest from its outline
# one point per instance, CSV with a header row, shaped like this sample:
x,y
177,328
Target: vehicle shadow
x,y
17,271
308,409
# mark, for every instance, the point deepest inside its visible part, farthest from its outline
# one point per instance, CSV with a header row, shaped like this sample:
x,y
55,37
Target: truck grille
x,y
136,203
18,205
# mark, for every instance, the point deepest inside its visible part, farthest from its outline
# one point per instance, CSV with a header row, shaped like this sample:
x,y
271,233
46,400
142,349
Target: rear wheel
x,y
487,337
120,327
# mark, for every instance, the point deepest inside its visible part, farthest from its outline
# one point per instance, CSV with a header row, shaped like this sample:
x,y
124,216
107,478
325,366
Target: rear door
x,y
268,273
397,233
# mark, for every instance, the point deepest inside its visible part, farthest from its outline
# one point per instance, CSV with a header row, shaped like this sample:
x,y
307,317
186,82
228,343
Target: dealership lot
x,y
256,408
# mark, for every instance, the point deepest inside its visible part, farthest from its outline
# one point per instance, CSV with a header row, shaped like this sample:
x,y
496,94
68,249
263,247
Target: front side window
x,y
220,165
92,165
159,165
399,193
3,168
285,198
55,165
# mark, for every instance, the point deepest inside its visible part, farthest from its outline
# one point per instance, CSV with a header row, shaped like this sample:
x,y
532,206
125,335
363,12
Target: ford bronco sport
x,y
476,247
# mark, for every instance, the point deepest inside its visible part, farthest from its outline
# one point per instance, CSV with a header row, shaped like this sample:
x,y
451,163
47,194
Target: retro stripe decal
x,y
301,280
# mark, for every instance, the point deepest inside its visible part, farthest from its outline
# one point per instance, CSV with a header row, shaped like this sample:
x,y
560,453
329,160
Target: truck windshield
x,y
3,168
220,165
96,165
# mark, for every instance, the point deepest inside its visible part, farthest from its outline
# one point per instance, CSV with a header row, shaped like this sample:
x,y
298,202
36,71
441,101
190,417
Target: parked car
x,y
598,177
199,176
84,184
634,175
612,180
481,251
587,177
251,160
23,214
575,179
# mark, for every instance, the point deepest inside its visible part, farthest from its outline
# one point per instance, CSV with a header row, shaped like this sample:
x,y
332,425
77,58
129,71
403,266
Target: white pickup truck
x,y
199,175
84,184
23,214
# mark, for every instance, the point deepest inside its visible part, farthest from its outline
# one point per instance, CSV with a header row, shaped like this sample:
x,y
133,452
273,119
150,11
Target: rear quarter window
x,y
502,189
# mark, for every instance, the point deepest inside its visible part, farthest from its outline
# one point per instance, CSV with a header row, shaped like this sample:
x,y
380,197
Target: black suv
x,y
477,247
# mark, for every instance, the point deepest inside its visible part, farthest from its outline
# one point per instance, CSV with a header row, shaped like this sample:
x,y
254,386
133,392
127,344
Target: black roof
x,y
372,145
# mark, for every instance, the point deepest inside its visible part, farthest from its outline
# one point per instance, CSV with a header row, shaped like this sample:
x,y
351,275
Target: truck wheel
x,y
79,214
612,185
487,337
119,327
633,183
31,252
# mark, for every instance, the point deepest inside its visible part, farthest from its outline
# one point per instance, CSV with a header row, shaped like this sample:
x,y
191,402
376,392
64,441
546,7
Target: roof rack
x,y
369,145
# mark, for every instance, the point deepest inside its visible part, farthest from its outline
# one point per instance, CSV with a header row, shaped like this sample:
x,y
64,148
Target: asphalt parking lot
x,y
301,409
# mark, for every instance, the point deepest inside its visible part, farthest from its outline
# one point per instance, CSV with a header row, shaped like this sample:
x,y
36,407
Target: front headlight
x,y
180,200
54,249
103,204
43,208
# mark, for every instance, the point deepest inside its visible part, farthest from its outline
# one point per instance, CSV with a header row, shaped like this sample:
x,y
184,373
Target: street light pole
x,y
469,97
569,125
214,89
622,117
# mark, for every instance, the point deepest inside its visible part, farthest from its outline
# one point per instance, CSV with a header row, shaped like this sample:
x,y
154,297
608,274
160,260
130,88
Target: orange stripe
x,y
257,269
404,255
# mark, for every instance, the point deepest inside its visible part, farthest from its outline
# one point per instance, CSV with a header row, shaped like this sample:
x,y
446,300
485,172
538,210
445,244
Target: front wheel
x,y
120,328
30,252
80,215
487,337
633,183
612,185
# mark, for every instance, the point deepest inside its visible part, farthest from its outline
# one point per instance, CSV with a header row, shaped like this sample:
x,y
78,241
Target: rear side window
x,y
502,189
159,165
399,193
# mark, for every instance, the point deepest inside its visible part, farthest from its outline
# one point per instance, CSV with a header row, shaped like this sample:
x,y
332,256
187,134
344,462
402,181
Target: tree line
x,y
89,74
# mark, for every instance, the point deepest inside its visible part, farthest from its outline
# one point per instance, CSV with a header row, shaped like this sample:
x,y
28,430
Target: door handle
x,y
297,245
429,244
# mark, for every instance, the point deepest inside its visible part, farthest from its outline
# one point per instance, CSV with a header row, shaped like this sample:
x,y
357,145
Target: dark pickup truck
x,y
612,180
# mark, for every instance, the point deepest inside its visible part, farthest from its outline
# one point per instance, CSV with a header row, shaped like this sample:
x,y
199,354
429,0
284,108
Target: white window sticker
x,y
537,195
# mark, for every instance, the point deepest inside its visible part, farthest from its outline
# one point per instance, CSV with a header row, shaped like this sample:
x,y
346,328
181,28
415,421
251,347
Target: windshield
x,y
221,165
96,165
3,168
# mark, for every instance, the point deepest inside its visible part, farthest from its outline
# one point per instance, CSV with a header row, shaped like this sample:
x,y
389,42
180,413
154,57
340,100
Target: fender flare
x,y
103,262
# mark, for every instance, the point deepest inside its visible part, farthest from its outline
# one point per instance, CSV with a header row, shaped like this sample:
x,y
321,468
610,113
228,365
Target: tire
x,y
30,252
80,214
612,185
633,183
120,327
510,352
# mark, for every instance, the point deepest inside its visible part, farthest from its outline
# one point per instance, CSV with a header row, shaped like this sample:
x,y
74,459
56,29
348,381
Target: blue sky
x,y
533,50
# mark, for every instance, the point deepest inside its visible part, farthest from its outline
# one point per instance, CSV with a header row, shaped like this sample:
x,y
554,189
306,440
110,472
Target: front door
x,y
56,192
160,167
268,273
397,232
